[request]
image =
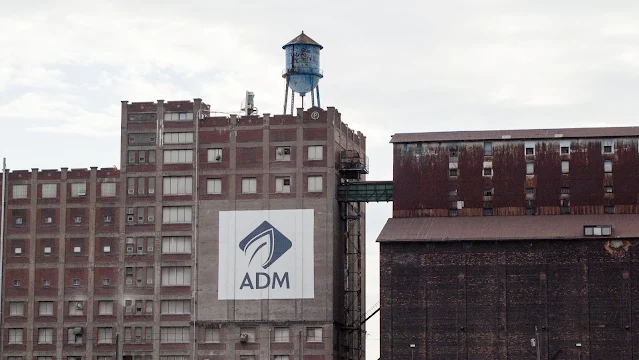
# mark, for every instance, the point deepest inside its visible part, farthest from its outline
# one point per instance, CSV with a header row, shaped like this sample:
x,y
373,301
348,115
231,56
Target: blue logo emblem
x,y
265,235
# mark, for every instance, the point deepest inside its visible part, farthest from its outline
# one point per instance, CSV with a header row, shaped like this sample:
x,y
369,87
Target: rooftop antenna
x,y
248,105
302,71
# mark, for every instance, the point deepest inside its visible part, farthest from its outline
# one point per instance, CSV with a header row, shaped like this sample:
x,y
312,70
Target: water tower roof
x,y
302,39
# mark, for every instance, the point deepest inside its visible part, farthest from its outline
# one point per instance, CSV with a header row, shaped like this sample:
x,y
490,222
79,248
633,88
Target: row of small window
x,y
105,307
607,147
530,168
50,191
171,276
170,245
530,192
185,156
564,209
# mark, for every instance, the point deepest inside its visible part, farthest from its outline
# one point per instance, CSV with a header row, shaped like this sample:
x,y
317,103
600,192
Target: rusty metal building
x,y
513,244
123,263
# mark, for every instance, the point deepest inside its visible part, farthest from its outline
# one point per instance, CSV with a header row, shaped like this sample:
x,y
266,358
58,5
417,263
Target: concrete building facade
x,y
124,263
518,245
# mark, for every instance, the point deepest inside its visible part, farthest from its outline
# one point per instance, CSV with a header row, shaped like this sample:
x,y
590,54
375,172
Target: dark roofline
x,y
504,228
504,135
302,39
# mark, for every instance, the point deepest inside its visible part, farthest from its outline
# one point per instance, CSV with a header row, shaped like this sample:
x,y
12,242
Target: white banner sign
x,y
266,254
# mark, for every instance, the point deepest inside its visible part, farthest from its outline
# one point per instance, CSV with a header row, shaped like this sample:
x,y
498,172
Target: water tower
x,y
302,71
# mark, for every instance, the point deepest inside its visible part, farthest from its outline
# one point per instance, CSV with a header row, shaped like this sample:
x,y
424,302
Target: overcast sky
x,y
399,66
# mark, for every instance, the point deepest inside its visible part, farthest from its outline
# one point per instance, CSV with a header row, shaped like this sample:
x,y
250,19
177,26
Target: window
x,y
178,116
176,245
530,148
607,147
452,172
105,307
19,220
75,308
214,155
283,184
151,185
609,209
176,276
565,166
16,283
49,191
283,153
106,281
179,307
141,186
169,335
452,193
131,156
178,185
45,308
314,334
530,211
249,332
488,212
249,185
20,191
46,282
530,191
282,334
608,166
315,183
77,249
608,189
564,210
74,335
530,168
105,335
16,308
78,189
488,172
15,336
565,191
178,156
212,335
76,282
600,230
315,152
77,220
564,147
176,215
47,250
108,219
247,357
17,251
214,186
178,138
281,357
47,358
45,336
488,192
488,149
452,212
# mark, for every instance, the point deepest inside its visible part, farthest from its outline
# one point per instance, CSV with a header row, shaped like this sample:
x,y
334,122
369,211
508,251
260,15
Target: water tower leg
x,y
312,99
318,98
285,96
292,102
302,102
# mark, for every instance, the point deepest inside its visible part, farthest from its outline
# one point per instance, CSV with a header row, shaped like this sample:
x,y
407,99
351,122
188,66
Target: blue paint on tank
x,y
302,64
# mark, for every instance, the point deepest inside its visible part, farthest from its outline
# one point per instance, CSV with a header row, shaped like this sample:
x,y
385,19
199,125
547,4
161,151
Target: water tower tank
x,y
302,71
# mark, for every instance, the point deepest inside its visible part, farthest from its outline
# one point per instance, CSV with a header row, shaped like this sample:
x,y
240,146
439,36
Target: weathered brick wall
x,y
482,300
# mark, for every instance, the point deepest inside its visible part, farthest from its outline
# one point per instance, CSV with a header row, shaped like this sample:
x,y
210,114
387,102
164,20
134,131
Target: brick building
x,y
512,245
106,263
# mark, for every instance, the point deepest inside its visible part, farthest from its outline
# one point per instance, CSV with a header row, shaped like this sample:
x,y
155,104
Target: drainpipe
x,y
2,224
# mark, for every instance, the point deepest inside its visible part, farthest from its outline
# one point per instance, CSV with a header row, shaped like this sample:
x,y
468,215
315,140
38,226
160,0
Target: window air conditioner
x,y
77,331
151,191
131,191
78,306
287,151
244,338
82,193
48,220
151,218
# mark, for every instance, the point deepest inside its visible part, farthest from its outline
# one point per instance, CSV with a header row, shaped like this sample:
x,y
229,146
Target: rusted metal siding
x,y
423,183
482,300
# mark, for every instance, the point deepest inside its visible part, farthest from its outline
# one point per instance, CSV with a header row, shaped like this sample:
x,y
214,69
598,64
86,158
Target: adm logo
x,y
265,239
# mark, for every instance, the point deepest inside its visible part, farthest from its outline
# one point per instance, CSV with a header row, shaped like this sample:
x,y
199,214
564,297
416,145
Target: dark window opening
x,y
488,212
564,210
452,172
609,209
